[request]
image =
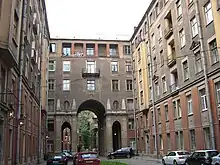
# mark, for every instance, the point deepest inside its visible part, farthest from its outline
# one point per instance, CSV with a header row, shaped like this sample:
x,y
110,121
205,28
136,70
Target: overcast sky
x,y
106,19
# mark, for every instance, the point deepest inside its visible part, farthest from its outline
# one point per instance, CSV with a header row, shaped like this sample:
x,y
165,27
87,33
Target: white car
x,y
175,157
216,160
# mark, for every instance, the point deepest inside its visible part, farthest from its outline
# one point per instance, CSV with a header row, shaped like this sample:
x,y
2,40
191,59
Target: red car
x,y
87,158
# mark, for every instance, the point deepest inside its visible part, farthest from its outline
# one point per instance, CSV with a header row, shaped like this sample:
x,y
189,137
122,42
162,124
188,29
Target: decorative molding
x,y
108,104
58,104
123,106
74,104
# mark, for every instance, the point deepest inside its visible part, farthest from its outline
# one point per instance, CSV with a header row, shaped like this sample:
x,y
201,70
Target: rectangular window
x,y
50,125
128,66
52,47
213,51
129,85
52,65
194,26
166,112
177,140
16,23
182,38
185,70
140,75
189,104
130,104
179,112
161,142
66,66
161,58
50,146
131,124
114,67
153,39
66,85
91,85
164,84
127,49
179,8
90,51
203,100
159,115
115,85
142,97
51,103
51,84
155,64
208,13
174,109
157,88
168,142
90,66
192,139
160,31
181,140
66,51
198,62
207,138
217,86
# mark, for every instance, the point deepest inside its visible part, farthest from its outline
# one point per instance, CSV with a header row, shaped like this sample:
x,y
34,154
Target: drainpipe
x,y
153,93
204,63
21,58
134,113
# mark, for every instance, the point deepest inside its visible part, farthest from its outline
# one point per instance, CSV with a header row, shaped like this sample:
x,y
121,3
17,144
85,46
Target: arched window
x,y
116,104
66,105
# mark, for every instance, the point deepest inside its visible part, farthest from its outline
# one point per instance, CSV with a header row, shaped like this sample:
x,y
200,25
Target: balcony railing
x,y
90,72
168,32
171,59
173,87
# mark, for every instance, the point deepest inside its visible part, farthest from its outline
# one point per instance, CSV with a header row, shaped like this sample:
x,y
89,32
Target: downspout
x,y
204,63
21,58
153,92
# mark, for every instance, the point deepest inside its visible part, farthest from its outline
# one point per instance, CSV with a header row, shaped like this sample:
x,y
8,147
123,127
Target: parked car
x,y
57,159
201,157
68,155
85,158
126,152
176,157
216,160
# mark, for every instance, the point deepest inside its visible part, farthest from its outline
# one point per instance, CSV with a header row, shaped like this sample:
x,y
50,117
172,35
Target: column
x,y
108,137
107,50
96,50
73,49
84,49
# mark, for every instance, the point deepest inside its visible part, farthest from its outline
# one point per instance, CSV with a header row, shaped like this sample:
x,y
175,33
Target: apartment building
x,y
93,75
22,35
183,75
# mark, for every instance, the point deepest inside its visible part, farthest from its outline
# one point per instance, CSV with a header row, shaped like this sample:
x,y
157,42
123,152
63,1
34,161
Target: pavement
x,y
148,158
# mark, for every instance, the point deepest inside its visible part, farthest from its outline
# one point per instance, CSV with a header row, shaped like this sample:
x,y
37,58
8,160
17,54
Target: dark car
x,y
57,159
126,152
68,155
201,157
86,158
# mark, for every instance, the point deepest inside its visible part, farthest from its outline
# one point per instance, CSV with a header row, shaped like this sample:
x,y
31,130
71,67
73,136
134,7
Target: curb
x,y
146,159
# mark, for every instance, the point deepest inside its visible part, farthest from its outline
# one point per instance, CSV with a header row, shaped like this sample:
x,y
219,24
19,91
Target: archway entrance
x,y
97,132
116,135
66,133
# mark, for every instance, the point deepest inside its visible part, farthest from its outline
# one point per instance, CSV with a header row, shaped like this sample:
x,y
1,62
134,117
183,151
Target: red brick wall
x,y
163,128
171,124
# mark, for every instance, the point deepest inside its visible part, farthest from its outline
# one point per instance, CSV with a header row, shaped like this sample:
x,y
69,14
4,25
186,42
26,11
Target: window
x,y
51,85
166,112
192,139
140,75
50,125
177,140
52,65
189,104
127,50
207,138
16,23
161,58
150,93
113,50
139,55
142,97
52,47
179,113
129,85
3,84
90,85
198,62
128,67
90,66
160,31
203,99
116,104
115,85
114,66
130,104
185,70
179,8
66,66
153,39
168,142
155,64
164,84
174,109
50,146
194,26
217,86
51,103
208,13
159,115
89,51
181,140
66,105
152,117
66,51
182,38
157,88
131,124
213,51
66,85
218,4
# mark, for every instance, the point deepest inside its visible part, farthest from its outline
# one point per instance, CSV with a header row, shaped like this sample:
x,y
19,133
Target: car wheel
x,y
175,163
163,162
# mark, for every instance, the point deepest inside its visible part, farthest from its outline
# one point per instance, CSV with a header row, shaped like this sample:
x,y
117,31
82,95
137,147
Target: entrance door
x,y
90,66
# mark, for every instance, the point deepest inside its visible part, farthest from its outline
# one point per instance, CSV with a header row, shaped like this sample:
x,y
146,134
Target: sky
x,y
94,19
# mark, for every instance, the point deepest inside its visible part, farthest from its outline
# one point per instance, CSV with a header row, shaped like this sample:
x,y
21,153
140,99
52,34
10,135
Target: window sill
x,y
214,63
204,110
186,79
190,4
190,114
179,17
183,46
209,23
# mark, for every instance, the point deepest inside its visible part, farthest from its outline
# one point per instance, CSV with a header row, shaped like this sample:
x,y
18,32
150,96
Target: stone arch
x,y
116,135
66,105
66,136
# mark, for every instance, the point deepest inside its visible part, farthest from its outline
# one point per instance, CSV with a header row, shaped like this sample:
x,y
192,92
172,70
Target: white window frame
x,y
194,27
198,65
164,84
208,13
217,86
53,65
203,100
114,66
91,66
66,85
182,38
213,52
189,104
66,66
51,82
185,67
179,8
90,85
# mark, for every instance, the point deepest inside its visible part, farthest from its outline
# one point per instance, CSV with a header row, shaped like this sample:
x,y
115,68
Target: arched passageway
x,y
116,135
99,110
66,133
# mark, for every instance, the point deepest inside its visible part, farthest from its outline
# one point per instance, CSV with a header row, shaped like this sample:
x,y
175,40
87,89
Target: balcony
x,y
174,87
90,72
168,32
171,59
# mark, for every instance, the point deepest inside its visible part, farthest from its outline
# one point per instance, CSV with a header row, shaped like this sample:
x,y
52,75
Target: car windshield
x,y
183,153
88,155
212,153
